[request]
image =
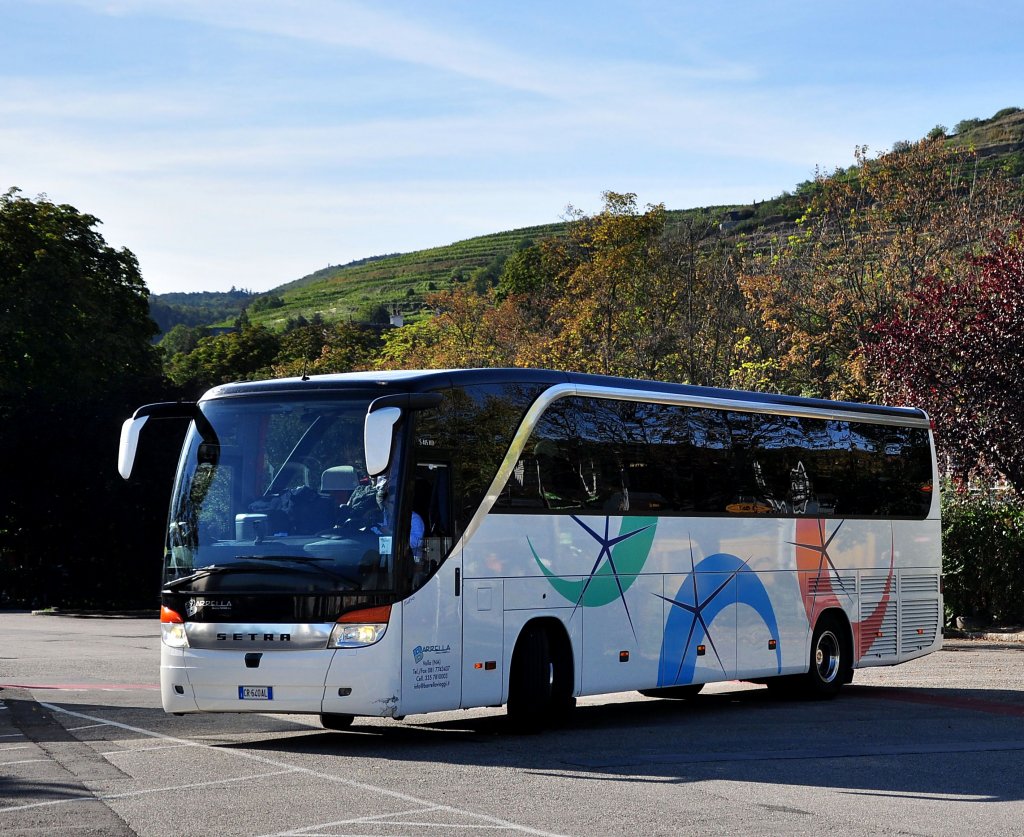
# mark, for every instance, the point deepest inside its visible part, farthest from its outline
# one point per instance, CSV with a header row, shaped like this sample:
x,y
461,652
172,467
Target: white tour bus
x,y
383,544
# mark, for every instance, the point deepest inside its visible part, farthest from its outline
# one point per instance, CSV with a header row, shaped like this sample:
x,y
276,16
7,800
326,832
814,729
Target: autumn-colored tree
x,y
870,236
958,353
640,294
710,305
617,301
465,331
625,292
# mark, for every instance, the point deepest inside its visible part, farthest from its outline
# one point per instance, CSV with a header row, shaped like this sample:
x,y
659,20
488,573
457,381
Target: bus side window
x,y
431,503
439,507
560,480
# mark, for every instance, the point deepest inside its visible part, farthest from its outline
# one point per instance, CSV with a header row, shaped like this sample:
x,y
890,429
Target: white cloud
x,y
399,37
293,135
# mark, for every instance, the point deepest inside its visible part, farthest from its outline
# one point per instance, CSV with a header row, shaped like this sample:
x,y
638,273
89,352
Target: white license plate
x,y
255,692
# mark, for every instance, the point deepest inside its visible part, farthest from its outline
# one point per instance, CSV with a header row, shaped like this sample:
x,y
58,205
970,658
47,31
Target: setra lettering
x,y
253,637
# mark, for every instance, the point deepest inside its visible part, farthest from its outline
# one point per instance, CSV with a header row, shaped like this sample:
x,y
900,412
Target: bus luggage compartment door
x,y
483,662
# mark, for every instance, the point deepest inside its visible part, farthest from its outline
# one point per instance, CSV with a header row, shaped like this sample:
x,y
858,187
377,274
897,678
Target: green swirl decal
x,y
619,560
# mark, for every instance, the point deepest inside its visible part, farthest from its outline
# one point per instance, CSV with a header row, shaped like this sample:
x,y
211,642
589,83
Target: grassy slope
x,y
338,293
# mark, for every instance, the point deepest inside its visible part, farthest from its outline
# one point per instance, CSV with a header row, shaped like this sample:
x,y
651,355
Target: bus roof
x,y
428,380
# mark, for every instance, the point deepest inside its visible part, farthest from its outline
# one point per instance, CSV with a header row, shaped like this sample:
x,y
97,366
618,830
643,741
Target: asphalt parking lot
x,y
935,746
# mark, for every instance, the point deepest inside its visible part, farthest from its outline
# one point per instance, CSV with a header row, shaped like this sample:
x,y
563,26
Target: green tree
x,y
75,359
325,349
374,313
267,302
182,339
243,354
524,272
74,315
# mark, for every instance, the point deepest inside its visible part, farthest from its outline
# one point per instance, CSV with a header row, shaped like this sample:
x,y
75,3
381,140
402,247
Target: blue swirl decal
x,y
714,584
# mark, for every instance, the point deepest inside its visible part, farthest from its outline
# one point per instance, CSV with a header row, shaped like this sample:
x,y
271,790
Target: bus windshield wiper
x,y
216,569
203,573
249,563
302,560
299,559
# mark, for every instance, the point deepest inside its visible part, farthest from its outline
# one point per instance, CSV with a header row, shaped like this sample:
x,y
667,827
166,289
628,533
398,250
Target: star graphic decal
x,y
826,568
605,552
696,611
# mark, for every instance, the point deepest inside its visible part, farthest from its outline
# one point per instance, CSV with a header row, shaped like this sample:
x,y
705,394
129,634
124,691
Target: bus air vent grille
x,y
877,618
918,584
872,588
838,584
920,624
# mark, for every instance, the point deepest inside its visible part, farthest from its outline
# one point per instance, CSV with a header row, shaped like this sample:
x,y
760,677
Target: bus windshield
x,y
273,496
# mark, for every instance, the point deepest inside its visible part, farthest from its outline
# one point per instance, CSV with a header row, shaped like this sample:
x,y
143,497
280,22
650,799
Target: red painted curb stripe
x,y
84,687
971,704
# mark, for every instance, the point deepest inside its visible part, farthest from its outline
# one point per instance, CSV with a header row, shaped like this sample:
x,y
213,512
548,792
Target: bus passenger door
x,y
432,616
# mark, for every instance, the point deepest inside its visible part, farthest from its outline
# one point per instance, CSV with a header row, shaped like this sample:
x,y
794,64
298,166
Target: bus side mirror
x,y
378,434
131,430
379,428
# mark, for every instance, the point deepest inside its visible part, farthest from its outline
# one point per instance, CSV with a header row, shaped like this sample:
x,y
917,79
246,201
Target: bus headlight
x,y
173,635
172,629
360,627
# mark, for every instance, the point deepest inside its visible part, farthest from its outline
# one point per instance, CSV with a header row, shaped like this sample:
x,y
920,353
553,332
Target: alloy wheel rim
x,y
826,656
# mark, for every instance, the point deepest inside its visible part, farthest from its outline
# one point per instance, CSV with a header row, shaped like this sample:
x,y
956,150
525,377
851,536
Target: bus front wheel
x,y
686,692
531,692
336,720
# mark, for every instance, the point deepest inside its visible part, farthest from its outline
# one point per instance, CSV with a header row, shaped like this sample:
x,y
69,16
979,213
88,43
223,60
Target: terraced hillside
x,y
376,286
398,282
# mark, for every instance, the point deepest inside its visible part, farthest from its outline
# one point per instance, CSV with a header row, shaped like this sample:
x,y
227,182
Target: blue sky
x,y
249,142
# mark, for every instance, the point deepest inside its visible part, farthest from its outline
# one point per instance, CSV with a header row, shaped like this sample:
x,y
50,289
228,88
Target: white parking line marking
x,y
392,819
311,830
127,794
87,726
6,749
128,751
362,786
23,761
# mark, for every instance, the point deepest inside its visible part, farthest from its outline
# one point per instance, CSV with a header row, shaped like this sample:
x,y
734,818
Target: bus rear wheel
x,y
830,663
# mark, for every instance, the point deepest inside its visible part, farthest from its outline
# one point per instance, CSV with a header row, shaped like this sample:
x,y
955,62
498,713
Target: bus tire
x,y
531,688
336,720
674,692
830,662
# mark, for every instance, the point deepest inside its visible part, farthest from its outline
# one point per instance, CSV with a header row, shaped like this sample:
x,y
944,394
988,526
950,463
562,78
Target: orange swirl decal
x,y
821,585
